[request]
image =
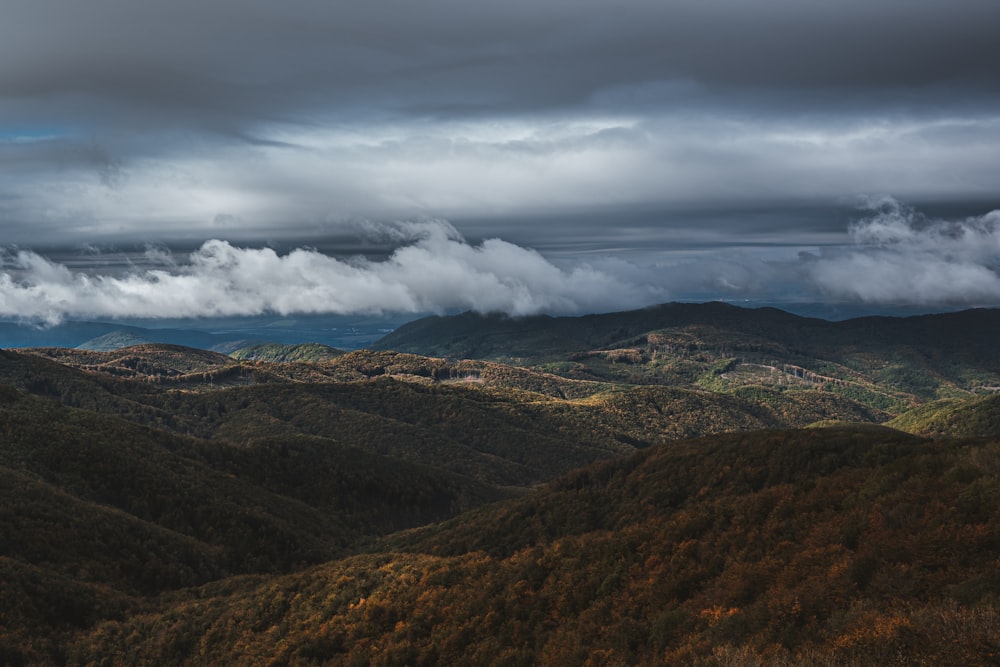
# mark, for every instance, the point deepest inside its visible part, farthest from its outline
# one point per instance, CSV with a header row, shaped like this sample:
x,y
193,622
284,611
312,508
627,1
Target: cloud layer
x,y
705,142
438,271
900,257
250,121
896,257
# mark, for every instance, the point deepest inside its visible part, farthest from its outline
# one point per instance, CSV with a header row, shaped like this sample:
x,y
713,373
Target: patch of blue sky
x,y
29,134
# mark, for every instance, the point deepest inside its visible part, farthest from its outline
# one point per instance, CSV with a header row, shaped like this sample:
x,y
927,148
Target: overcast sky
x,y
632,151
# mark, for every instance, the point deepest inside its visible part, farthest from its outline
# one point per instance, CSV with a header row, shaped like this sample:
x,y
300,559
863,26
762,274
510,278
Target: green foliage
x,y
62,533
368,493
978,416
884,363
277,353
43,608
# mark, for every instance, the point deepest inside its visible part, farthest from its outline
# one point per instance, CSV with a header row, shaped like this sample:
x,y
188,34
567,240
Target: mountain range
x,y
223,334
687,484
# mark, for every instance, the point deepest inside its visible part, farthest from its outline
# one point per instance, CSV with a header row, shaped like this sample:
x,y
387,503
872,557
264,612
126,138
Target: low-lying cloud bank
x,y
437,271
895,257
899,257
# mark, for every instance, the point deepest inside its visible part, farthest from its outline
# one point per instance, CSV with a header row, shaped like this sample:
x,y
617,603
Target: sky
x,y
193,159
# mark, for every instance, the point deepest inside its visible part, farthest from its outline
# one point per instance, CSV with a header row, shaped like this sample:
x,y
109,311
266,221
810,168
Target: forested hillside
x,y
838,547
496,423
285,353
646,497
979,416
884,362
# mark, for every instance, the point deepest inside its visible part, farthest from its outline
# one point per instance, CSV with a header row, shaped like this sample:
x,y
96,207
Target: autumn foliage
x,y
164,506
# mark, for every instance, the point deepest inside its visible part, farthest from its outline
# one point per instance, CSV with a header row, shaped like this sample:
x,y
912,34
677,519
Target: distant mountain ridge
x,y
114,340
472,335
887,363
223,334
102,336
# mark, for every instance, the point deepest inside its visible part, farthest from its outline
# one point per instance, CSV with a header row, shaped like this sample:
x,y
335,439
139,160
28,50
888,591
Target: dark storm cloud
x,y
579,127
247,60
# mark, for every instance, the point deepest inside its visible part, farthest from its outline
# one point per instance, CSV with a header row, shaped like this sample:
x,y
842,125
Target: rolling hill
x,y
98,514
979,416
637,490
222,333
495,423
886,363
835,547
471,335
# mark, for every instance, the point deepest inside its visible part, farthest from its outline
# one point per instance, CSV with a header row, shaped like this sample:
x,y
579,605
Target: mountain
x,y
101,336
98,514
113,341
18,334
497,424
221,333
142,361
642,500
472,335
884,362
269,504
837,547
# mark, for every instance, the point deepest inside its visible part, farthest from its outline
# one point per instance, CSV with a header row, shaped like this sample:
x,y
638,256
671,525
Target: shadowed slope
x,y
837,547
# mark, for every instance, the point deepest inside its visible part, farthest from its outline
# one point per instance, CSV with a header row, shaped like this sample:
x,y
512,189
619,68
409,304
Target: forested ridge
x,y
653,499
832,546
886,363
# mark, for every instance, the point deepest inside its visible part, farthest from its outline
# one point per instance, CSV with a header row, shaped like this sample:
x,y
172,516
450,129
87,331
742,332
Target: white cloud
x,y
895,257
900,257
298,180
438,271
